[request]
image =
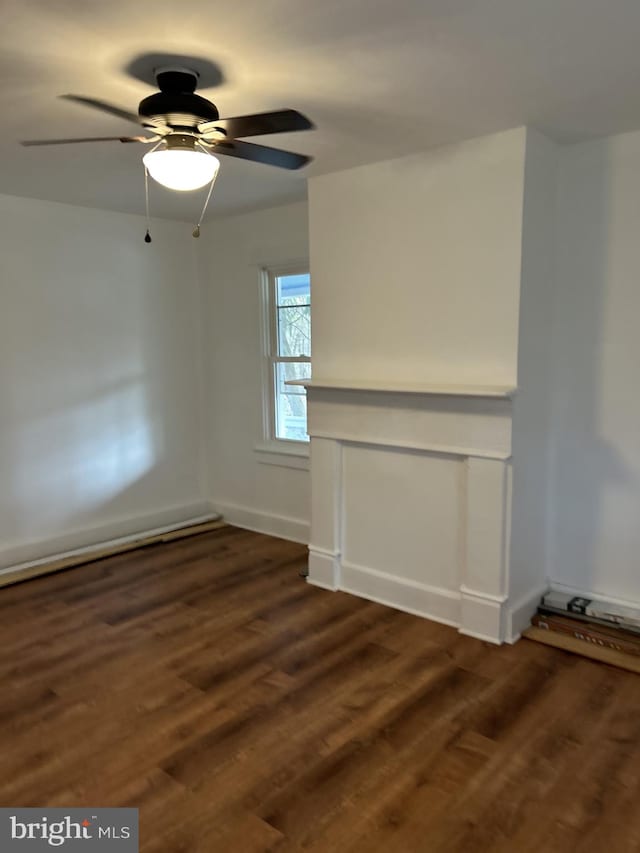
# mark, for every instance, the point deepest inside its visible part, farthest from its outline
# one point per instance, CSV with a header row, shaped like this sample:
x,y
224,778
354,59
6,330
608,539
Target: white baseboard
x,y
321,585
295,529
324,569
111,532
518,615
481,615
430,602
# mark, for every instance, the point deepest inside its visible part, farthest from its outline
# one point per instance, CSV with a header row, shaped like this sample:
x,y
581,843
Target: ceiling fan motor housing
x,y
178,118
176,105
176,80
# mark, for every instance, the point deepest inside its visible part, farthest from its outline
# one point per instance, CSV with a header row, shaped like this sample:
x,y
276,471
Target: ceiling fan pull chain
x,y
147,236
196,230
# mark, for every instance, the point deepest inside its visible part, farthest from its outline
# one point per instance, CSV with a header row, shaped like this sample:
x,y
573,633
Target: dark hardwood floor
x,y
242,710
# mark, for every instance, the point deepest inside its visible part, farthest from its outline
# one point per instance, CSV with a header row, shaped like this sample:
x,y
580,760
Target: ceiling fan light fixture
x,y
181,167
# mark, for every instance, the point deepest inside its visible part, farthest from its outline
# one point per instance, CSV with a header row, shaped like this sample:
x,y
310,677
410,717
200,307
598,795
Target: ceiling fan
x,y
185,130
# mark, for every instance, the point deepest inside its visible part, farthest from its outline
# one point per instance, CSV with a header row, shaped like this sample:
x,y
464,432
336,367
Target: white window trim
x,y
271,450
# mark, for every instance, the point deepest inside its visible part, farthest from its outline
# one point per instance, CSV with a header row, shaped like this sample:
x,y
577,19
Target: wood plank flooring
x,y
241,709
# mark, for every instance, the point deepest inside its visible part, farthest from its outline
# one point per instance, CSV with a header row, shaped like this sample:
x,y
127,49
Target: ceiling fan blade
x,y
261,154
29,142
103,106
281,121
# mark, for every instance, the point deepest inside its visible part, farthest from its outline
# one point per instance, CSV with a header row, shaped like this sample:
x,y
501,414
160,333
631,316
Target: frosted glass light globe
x,y
181,169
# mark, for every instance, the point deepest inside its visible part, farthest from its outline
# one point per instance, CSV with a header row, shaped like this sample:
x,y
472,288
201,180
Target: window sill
x,y
293,454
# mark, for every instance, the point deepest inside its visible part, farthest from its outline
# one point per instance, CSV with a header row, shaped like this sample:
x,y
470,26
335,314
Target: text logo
x,y
37,830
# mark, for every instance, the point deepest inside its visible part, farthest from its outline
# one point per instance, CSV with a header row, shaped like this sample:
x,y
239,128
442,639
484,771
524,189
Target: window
x,y
287,300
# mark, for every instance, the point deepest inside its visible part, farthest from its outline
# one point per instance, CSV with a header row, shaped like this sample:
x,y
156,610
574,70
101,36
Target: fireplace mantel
x,y
501,392
411,496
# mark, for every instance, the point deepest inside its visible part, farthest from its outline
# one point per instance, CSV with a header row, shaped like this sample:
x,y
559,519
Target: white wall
x,y
532,403
416,265
596,427
232,250
99,378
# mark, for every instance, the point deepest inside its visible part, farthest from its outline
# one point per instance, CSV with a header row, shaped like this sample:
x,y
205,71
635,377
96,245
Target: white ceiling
x,y
380,78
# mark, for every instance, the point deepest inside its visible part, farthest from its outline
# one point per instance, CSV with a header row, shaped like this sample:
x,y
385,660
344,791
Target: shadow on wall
x,y
86,451
88,462
586,465
94,426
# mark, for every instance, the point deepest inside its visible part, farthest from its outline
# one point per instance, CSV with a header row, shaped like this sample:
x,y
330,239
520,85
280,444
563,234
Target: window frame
x,y
274,450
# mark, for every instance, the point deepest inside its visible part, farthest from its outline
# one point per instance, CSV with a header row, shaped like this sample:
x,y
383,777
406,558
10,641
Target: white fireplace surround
x,y
411,500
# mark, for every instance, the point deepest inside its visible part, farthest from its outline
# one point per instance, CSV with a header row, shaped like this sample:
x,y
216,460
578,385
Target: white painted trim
x,y
268,273
501,392
482,596
110,543
266,368
284,527
518,615
321,585
290,267
426,447
324,569
284,447
323,551
430,602
284,457
485,565
68,544
481,615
